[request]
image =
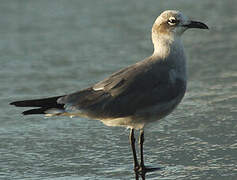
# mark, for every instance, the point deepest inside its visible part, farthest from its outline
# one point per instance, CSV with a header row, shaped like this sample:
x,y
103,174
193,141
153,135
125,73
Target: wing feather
x,y
126,91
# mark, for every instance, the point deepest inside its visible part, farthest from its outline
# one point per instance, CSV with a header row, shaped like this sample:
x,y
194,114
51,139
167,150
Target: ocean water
x,y
55,47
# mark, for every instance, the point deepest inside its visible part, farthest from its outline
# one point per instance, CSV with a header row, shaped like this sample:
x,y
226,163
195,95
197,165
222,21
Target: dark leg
x,y
142,169
141,141
132,142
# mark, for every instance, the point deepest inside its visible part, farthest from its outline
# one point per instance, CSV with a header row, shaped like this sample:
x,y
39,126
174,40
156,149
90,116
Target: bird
x,y
134,96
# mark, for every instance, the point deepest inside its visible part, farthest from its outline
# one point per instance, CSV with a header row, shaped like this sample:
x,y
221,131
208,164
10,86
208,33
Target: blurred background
x,y
54,47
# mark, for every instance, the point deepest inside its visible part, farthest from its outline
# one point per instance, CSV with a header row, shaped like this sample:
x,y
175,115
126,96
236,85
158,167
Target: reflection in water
x,y
142,175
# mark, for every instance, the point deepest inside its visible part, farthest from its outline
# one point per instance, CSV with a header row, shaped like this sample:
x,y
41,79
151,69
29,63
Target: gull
x,y
136,95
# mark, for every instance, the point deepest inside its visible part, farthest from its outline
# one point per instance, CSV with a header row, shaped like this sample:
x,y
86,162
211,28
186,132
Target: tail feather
x,y
43,104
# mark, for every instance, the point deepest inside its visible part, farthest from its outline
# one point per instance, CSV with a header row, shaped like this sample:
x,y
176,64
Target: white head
x,y
174,23
170,25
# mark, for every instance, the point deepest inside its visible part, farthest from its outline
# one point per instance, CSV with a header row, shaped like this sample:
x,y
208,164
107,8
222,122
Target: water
x,y
56,47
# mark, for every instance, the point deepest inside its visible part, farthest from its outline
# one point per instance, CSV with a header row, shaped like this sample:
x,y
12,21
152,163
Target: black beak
x,y
196,24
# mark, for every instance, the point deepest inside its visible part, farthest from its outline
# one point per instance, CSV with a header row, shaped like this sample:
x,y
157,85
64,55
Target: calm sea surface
x,y
52,47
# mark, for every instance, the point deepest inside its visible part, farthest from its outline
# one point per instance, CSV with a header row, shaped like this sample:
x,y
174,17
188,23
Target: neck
x,y
165,45
170,49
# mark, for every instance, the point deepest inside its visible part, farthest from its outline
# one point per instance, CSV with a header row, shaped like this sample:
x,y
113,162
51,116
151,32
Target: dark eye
x,y
172,21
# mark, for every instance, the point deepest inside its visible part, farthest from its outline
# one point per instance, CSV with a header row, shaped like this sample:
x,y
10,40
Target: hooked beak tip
x,y
196,24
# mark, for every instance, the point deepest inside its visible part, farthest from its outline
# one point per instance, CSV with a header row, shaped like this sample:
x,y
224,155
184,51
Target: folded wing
x,y
126,91
122,94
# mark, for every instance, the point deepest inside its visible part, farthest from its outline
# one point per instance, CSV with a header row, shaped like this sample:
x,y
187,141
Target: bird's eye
x,y
172,21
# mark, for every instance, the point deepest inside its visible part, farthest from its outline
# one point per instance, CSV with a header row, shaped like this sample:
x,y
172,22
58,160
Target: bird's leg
x,y
141,141
132,142
142,170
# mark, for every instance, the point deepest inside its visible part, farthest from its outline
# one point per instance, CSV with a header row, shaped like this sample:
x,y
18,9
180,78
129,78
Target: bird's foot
x,y
141,169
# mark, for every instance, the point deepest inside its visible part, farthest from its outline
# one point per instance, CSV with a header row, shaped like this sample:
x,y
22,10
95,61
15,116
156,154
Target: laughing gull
x,y
136,95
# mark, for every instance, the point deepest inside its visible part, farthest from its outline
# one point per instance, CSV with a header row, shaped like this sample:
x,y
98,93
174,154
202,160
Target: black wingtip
x,y
18,103
34,111
12,103
24,113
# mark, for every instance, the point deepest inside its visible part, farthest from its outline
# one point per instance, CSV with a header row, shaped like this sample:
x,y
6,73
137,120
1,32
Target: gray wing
x,y
126,91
